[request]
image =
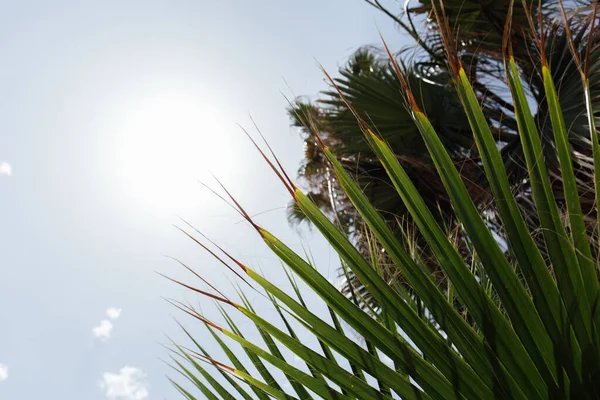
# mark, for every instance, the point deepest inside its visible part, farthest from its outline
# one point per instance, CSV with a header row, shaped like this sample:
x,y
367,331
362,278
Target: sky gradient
x,y
110,112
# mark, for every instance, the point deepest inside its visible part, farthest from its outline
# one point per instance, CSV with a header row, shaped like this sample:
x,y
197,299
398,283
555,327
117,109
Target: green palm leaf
x,y
516,319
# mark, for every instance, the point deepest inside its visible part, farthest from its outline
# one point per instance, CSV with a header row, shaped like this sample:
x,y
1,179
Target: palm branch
x,y
367,82
527,326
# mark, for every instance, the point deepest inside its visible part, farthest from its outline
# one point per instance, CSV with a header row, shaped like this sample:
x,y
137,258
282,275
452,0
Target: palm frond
x,y
517,315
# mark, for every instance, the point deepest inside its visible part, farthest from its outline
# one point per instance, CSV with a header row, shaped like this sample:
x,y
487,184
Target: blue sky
x,y
109,114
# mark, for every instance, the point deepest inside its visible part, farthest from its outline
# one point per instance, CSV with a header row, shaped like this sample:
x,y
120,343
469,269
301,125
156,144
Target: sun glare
x,y
166,146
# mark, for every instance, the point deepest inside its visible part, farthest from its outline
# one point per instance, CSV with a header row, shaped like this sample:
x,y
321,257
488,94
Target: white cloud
x,y
3,372
113,312
128,384
5,169
103,330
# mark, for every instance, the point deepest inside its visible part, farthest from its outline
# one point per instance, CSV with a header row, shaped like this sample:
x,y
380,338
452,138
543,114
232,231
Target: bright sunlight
x,y
166,146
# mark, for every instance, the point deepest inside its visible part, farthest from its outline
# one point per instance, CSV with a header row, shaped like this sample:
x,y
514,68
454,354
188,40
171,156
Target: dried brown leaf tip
x,y
274,164
238,263
584,64
216,256
439,12
538,38
210,323
200,291
198,276
194,313
363,125
239,207
320,141
411,99
588,50
506,43
222,366
212,361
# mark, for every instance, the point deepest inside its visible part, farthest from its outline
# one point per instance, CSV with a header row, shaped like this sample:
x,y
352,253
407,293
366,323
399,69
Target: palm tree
x,y
369,85
521,323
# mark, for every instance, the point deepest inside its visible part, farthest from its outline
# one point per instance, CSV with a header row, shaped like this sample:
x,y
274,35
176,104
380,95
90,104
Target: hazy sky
x,y
110,111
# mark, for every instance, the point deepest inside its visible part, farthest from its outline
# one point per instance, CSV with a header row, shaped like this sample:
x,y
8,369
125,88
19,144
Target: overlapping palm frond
x,y
518,319
369,86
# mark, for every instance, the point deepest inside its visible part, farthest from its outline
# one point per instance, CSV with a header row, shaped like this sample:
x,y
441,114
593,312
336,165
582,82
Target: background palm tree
x,y
368,83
